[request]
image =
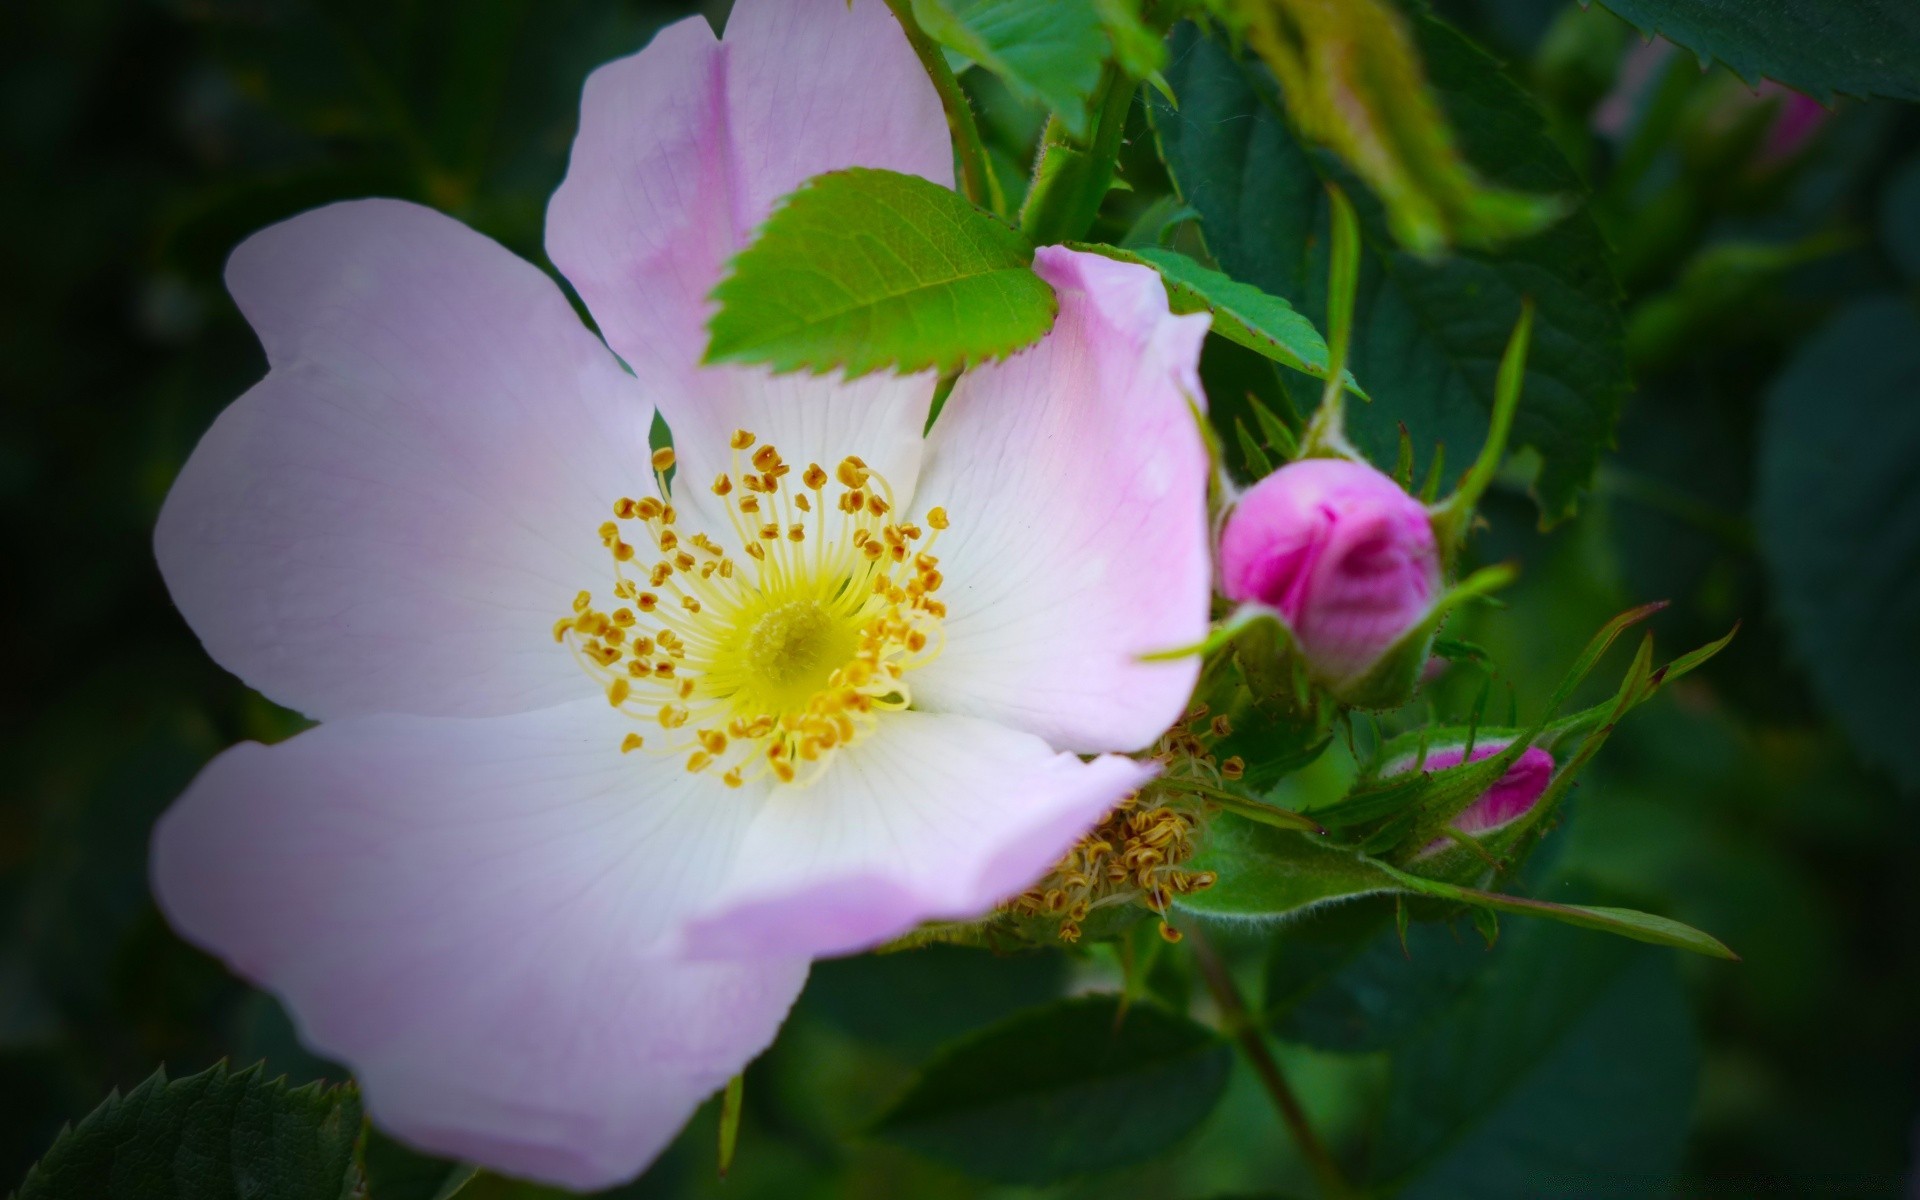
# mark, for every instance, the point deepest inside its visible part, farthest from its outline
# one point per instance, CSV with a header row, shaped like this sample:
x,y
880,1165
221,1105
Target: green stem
x,y
1241,1027
1073,179
975,177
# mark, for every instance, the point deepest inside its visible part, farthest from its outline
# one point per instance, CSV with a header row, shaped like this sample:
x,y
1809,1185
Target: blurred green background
x,y
143,139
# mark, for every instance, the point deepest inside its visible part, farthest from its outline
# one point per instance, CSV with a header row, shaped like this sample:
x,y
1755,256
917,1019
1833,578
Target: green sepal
x,y
1454,517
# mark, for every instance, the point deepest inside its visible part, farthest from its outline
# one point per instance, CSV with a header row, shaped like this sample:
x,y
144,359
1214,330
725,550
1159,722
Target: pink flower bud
x,y
1509,799
1345,556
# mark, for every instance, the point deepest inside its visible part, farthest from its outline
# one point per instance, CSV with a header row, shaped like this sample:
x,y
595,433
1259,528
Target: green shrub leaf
x,y
1058,1091
863,269
1046,50
1860,47
1517,1086
1428,336
1838,514
218,1135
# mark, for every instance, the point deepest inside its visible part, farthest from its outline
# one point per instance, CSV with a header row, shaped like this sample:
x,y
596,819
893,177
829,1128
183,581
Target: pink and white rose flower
x,y
602,767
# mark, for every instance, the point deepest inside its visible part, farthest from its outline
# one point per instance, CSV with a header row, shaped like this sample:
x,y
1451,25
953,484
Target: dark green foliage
x,y
864,269
213,1136
1079,1086
1860,47
1428,335
1330,986
1514,1089
1839,515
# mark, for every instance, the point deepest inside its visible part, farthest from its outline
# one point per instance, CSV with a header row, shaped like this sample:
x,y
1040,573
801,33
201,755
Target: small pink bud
x,y
1509,799
1345,556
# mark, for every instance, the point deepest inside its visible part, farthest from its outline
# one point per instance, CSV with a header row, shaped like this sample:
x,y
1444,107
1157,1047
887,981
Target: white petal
x,y
1075,479
474,914
931,817
393,519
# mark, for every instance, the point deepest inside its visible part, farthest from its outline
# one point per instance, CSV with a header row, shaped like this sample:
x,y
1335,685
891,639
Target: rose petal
x,y
932,817
1075,480
474,916
685,147
394,517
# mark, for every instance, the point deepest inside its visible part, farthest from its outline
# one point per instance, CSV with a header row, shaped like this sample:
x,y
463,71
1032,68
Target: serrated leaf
x,y
1428,337
1242,313
1356,996
1073,1087
1046,50
213,1136
1859,47
1838,514
1352,81
1519,1080
865,269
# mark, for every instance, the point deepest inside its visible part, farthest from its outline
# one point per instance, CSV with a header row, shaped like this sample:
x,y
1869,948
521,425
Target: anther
x,y
663,458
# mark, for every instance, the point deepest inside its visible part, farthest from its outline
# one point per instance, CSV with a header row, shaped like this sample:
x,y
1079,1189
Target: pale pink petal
x,y
1075,480
472,914
685,147
932,817
393,519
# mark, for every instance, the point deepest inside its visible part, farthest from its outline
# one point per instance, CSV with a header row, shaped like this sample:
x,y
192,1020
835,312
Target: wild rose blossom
x,y
602,766
1342,553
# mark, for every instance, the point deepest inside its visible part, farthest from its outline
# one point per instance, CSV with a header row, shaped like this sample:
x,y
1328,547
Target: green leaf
x,y
1900,217
210,1136
1628,923
1242,313
1859,47
1838,514
1136,47
1428,336
1073,1087
863,269
1270,874
1351,78
1046,50
1522,1080
1357,996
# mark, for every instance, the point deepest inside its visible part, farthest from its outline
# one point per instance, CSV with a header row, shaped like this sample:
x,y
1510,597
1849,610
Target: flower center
x,y
768,663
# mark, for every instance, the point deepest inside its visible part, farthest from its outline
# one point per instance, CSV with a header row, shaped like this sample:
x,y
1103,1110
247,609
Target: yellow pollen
x,y
764,666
